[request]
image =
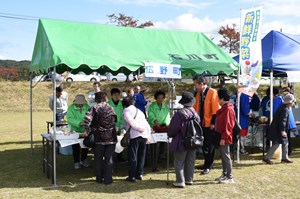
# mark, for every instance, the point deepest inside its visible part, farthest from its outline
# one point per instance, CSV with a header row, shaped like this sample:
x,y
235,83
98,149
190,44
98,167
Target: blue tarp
x,y
280,52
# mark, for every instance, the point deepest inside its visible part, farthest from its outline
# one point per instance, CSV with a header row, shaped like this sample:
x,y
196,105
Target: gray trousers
x,y
284,151
226,160
184,163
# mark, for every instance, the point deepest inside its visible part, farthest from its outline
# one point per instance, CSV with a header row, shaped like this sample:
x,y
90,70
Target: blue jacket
x,y
244,108
277,101
140,102
266,107
292,123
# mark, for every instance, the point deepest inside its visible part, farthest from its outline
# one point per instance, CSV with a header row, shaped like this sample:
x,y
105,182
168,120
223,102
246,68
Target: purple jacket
x,y
178,125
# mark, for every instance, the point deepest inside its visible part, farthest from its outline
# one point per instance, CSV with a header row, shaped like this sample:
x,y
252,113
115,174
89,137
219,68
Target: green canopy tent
x,y
71,46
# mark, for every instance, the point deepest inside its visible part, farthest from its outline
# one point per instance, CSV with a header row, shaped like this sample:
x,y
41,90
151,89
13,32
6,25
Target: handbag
x,y
125,141
89,141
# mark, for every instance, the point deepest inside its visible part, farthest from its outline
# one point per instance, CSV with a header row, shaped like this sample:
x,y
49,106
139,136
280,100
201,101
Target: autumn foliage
x,y
231,38
9,73
128,21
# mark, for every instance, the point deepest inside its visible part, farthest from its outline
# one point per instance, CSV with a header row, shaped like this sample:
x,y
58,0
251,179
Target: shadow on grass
x,y
20,169
20,142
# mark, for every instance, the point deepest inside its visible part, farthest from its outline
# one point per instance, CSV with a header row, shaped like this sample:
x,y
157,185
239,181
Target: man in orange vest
x,y
206,105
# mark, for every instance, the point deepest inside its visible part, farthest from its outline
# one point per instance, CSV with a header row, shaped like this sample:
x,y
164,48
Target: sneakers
x,y
226,180
268,161
243,152
179,184
189,183
205,171
222,177
140,177
130,179
77,165
286,161
84,163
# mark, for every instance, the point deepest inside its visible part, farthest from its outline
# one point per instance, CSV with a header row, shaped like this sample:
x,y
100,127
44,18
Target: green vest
x,y
74,117
155,113
119,110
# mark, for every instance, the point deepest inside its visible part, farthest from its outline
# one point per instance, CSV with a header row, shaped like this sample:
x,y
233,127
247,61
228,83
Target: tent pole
x,y
271,95
54,126
31,137
238,113
271,99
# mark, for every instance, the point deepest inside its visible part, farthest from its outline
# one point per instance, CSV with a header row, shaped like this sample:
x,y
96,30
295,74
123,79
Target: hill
x,y
14,63
15,96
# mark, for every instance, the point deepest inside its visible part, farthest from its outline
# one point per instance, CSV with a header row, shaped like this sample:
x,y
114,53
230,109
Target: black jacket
x,y
280,123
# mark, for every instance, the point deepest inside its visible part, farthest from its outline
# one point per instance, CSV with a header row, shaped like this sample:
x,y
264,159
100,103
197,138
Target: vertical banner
x,y
250,48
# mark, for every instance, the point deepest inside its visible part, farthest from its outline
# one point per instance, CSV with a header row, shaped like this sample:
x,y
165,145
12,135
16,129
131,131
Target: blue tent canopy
x,y
280,53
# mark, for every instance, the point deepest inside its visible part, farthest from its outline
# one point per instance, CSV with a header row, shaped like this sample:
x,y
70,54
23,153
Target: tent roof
x,y
73,46
280,52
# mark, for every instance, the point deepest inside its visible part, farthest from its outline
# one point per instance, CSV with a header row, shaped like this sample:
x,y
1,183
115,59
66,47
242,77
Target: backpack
x,y
193,138
236,131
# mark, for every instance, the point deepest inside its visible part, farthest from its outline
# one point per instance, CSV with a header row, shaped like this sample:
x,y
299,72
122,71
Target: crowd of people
x,y
215,110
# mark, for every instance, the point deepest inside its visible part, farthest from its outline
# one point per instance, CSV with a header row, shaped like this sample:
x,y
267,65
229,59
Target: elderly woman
x,y
75,115
101,120
159,120
139,135
278,130
184,159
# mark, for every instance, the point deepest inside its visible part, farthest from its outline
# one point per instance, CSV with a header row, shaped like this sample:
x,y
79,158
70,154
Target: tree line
x,y
14,70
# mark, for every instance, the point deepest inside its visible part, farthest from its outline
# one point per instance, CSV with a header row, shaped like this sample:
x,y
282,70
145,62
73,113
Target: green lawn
x,y
22,176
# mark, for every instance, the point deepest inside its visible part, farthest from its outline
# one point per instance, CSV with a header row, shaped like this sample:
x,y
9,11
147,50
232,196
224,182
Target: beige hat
x,y
80,99
289,99
143,88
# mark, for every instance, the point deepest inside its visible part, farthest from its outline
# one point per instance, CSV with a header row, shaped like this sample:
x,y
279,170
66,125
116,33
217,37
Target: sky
x,y
19,18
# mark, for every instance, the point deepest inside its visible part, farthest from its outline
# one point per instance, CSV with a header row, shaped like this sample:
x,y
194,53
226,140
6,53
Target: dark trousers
x,y
208,148
76,153
104,162
137,154
60,116
155,156
290,142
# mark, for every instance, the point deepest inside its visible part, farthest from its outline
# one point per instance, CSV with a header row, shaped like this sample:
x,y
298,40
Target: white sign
x,y
163,70
250,47
160,137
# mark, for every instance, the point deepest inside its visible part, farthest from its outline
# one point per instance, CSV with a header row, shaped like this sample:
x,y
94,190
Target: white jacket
x,y
139,125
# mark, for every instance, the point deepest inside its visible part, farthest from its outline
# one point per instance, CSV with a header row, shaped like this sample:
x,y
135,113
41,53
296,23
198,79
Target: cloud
x,y
190,22
179,3
277,8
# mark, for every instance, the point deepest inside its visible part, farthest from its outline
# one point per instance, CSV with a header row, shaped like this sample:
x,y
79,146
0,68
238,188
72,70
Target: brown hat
x,y
80,99
143,88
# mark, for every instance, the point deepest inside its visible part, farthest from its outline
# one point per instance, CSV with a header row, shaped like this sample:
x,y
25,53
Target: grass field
x,y
22,176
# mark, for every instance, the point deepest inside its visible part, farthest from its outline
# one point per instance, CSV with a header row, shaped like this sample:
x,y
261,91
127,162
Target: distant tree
x,y
128,21
10,73
231,38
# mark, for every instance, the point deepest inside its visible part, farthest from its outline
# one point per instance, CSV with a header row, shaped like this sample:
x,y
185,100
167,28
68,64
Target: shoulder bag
x,y
126,138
